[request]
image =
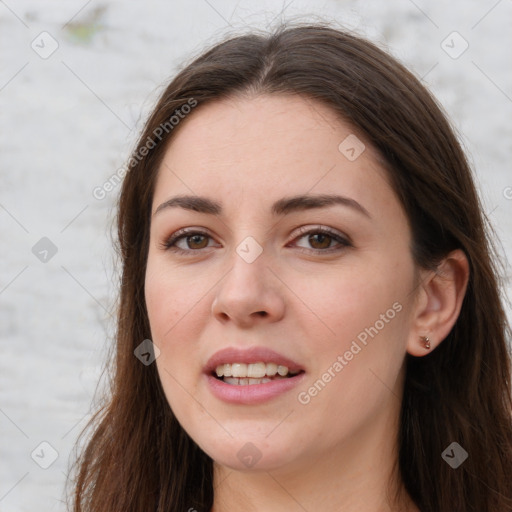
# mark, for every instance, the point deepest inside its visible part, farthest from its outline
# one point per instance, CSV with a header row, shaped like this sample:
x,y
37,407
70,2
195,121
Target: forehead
x,y
264,147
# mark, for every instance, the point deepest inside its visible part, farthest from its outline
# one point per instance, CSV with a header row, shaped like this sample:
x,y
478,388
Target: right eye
x,y
187,241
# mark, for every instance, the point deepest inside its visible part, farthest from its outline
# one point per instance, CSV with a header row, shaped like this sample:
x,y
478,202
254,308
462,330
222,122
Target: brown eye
x,y
197,241
320,241
188,242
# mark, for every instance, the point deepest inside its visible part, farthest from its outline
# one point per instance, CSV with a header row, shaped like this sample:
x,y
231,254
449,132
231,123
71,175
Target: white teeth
x,y
256,370
271,369
245,382
239,370
252,370
282,370
223,370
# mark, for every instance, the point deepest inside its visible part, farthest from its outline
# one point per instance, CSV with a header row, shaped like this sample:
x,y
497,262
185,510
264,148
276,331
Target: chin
x,y
248,454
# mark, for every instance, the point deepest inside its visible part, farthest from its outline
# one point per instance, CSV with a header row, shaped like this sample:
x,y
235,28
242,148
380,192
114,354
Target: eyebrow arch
x,y
281,207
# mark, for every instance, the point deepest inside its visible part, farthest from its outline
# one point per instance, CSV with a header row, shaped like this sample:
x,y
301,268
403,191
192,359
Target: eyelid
x,y
168,243
318,228
343,240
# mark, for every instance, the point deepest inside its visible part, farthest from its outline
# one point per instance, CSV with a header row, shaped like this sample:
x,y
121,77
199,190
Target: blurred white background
x,y
77,79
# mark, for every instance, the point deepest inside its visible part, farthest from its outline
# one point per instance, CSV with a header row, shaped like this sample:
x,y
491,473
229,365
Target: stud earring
x,y
426,341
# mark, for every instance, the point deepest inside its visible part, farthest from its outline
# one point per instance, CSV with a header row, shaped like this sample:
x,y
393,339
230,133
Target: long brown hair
x,y
138,458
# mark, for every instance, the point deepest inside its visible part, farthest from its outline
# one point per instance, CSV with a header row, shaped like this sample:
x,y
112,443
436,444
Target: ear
x,y
438,302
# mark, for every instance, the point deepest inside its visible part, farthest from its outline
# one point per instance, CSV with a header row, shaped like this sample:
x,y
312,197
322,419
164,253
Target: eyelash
x,y
344,242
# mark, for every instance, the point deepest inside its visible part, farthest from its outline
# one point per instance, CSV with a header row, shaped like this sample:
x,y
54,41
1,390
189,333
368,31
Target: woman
x,y
309,313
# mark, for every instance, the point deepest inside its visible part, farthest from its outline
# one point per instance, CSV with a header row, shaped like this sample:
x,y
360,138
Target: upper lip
x,y
251,355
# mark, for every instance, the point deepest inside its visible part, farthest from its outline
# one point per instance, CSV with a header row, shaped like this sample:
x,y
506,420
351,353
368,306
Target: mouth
x,y
251,376
242,374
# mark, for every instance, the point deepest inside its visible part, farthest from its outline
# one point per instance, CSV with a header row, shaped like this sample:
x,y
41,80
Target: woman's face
x,y
289,251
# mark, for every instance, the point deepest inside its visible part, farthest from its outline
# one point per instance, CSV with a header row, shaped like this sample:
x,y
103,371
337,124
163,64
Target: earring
x,y
426,341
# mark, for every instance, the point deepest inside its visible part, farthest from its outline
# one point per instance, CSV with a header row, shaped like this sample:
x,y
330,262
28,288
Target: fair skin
x,y
336,450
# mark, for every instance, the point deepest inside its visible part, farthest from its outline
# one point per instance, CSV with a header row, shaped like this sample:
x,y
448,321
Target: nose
x,y
249,294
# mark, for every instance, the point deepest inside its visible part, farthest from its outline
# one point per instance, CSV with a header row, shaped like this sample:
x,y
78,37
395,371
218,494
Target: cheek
x,y
169,300
346,301
164,308
177,308
171,311
354,365
364,319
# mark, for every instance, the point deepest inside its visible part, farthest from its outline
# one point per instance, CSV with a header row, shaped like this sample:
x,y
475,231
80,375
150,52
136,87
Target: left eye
x,y
322,240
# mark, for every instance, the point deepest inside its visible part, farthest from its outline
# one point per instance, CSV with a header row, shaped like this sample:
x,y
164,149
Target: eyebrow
x,y
283,206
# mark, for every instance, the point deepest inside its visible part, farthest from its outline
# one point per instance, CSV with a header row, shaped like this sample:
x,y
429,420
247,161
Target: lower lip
x,y
251,393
